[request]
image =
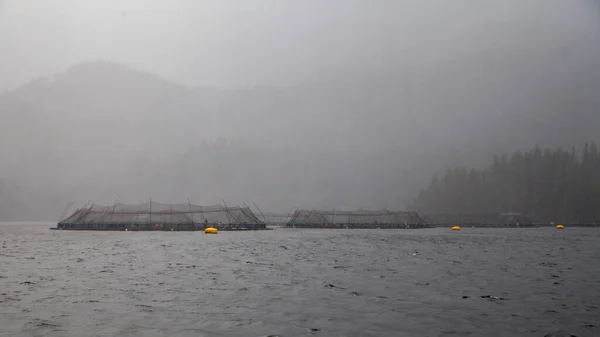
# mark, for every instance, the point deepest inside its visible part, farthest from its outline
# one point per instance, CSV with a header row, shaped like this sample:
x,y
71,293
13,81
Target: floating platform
x,y
468,225
361,226
153,216
361,218
128,227
593,225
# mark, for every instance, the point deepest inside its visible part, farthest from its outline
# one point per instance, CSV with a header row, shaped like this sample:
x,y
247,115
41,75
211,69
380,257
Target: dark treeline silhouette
x,y
547,185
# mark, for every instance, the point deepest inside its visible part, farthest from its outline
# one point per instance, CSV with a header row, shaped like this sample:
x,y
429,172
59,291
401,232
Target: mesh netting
x,y
361,216
277,218
159,213
479,219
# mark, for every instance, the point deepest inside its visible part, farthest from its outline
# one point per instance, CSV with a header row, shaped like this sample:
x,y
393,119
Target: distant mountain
x,y
94,119
102,130
107,101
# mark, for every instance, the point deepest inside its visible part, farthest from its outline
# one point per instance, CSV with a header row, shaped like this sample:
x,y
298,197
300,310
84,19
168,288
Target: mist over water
x,y
306,104
286,104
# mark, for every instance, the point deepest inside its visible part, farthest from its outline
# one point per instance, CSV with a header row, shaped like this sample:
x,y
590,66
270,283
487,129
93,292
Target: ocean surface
x,y
294,282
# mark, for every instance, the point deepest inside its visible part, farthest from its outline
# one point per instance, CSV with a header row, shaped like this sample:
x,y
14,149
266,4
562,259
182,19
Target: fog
x,y
339,103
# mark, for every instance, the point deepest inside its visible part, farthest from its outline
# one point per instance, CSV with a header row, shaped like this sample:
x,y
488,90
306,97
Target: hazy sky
x,y
395,90
245,42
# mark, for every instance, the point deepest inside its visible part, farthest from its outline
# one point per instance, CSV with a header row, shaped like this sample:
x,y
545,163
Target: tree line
x,y
546,185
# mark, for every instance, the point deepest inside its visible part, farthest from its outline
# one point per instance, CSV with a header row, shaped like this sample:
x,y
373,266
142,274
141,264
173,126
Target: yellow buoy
x,y
560,227
456,228
211,230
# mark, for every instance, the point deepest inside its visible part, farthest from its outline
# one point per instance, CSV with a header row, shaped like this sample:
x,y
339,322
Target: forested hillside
x,y
103,131
548,185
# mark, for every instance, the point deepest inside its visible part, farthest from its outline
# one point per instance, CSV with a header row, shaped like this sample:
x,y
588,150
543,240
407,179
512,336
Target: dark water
x,y
300,283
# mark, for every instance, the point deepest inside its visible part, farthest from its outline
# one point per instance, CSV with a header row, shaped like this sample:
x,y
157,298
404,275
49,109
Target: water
x,y
291,282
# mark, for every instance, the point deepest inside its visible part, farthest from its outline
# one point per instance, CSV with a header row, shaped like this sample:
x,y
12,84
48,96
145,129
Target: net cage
x,y
480,219
277,218
155,215
335,217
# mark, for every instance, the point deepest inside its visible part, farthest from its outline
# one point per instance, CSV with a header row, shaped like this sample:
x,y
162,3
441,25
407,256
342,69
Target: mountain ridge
x,y
101,129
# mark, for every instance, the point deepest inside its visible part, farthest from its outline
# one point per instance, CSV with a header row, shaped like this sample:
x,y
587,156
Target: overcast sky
x,y
244,42
399,89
